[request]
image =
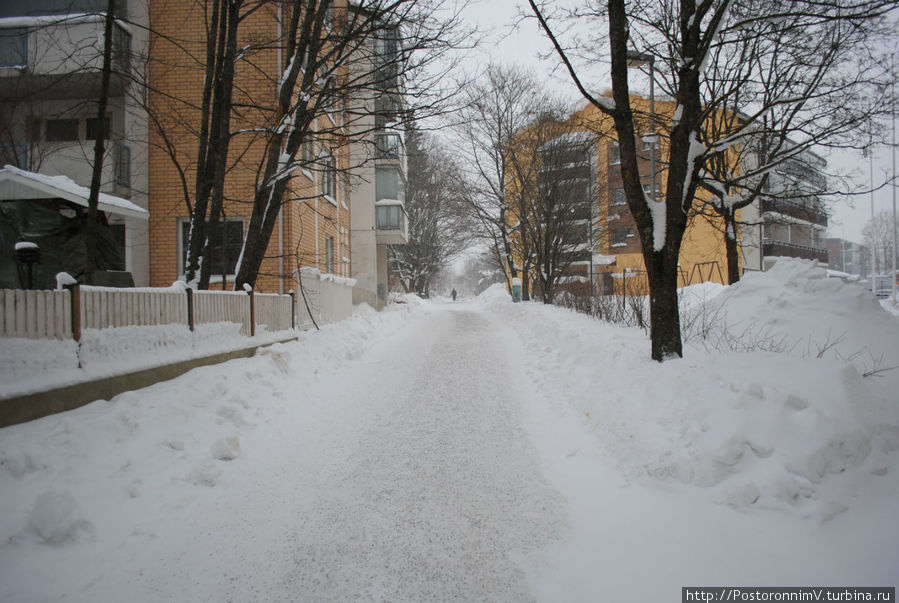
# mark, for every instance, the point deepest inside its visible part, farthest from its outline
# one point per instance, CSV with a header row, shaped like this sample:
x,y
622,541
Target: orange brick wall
x,y
176,80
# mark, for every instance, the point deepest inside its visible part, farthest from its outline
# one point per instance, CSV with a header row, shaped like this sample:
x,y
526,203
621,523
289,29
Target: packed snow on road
x,y
482,450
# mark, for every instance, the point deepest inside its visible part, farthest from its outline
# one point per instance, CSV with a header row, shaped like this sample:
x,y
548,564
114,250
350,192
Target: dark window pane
x,y
122,50
62,130
92,127
123,165
225,252
13,47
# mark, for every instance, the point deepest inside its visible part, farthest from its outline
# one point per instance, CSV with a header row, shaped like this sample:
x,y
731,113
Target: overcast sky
x,y
522,45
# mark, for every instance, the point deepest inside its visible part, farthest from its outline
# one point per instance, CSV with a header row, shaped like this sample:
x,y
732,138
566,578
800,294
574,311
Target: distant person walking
x,y
454,294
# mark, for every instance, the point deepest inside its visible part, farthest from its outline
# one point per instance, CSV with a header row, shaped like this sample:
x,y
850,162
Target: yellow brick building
x,y
617,249
313,228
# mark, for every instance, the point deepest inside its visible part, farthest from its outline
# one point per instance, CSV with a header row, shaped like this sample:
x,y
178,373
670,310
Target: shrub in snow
x,y
56,517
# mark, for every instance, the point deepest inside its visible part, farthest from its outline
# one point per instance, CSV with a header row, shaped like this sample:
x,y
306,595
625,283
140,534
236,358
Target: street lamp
x,y
636,59
28,254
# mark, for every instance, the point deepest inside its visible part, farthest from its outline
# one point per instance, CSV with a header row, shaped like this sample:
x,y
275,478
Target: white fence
x,y
63,314
223,306
107,307
329,298
35,314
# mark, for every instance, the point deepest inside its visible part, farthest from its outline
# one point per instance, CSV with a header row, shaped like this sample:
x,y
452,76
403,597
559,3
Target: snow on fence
x,y
108,307
273,311
328,298
223,306
35,314
63,314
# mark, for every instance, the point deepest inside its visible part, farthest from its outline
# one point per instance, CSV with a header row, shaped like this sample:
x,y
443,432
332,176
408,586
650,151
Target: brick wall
x,y
177,84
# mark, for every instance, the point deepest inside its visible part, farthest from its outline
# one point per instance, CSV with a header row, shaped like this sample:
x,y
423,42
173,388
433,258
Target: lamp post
x,y
893,181
636,59
28,254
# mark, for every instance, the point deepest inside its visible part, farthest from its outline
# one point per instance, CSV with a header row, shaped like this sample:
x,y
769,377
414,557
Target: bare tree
x,y
386,50
878,235
90,228
552,175
498,109
776,89
438,229
682,36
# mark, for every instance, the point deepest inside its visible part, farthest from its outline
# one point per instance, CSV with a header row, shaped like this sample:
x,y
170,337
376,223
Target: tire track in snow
x,y
443,491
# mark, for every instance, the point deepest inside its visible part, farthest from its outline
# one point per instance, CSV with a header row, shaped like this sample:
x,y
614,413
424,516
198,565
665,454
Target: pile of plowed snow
x,y
769,408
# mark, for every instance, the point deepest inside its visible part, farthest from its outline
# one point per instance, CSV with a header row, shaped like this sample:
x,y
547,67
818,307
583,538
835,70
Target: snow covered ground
x,y
482,450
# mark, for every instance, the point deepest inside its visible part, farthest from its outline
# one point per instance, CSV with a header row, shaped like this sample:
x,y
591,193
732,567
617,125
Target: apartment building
x,y
378,180
313,225
617,261
790,220
846,256
51,57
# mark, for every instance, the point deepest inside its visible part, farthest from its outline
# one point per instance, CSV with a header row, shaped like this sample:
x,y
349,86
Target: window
x,y
329,177
614,153
389,217
91,127
34,130
121,42
227,241
62,130
345,249
387,146
389,184
620,236
618,197
13,47
123,164
329,254
329,13
15,154
306,152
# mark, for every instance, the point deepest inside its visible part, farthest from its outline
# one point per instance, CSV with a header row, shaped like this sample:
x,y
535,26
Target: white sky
x,y
510,44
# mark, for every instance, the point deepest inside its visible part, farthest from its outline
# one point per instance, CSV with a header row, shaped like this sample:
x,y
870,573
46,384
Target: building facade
x,y
313,225
846,256
51,59
790,220
378,175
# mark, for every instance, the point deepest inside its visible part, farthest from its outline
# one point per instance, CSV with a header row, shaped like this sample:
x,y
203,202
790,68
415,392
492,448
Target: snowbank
x,y
31,365
80,484
757,429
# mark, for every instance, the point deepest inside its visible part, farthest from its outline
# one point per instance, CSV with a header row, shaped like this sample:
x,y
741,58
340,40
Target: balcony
x,y
389,145
59,57
790,250
390,223
795,210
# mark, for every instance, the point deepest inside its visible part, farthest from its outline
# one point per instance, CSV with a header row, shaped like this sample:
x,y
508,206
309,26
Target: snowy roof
x,y
16,183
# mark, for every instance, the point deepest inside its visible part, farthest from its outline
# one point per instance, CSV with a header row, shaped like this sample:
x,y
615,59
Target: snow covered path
x,y
443,484
405,473
481,450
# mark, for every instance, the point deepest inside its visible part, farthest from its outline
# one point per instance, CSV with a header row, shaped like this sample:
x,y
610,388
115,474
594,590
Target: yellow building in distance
x,y
616,264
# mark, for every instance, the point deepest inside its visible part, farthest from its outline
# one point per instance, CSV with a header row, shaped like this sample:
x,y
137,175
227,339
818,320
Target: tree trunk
x,y
220,135
90,228
732,248
664,316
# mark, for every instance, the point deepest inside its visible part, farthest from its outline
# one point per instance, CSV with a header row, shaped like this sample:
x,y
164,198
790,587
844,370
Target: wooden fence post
x,y
250,292
293,309
75,307
190,308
